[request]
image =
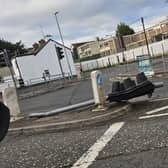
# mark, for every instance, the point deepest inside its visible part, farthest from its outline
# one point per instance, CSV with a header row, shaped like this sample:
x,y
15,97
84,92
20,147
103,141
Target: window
x,y
106,44
101,45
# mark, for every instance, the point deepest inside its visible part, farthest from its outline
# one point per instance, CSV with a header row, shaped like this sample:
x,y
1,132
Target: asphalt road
x,y
138,143
77,93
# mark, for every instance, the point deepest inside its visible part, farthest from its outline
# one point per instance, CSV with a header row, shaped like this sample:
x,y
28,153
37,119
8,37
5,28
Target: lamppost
x,y
65,51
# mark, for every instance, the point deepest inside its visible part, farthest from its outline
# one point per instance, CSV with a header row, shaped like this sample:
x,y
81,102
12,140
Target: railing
x,y
156,49
8,82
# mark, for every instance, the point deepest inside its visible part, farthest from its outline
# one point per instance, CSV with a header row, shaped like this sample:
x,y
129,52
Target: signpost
x,y
145,65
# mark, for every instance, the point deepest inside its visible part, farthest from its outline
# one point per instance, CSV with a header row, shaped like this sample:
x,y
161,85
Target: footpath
x,y
68,120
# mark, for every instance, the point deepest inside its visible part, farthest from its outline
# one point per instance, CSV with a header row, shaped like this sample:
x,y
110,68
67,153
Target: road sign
x,y
145,64
99,79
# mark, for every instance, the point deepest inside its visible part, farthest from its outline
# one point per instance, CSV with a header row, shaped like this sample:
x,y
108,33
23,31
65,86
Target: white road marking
x,y
89,156
152,116
159,99
157,110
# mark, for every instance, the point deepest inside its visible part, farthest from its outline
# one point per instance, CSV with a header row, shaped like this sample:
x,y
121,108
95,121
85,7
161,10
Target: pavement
x,y
72,119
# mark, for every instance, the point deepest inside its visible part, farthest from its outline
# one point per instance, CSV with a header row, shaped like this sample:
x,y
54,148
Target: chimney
x,y
35,46
42,42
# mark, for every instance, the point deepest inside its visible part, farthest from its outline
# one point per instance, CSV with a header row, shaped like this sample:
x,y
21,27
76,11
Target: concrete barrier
x,y
10,99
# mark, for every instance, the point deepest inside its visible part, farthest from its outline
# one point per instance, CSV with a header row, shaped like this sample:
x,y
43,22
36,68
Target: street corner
x,y
75,119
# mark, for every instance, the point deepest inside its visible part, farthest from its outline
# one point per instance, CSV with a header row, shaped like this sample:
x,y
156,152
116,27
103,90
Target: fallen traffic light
x,y
129,89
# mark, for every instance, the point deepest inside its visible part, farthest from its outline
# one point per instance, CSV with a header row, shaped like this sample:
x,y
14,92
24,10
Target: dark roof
x,y
35,52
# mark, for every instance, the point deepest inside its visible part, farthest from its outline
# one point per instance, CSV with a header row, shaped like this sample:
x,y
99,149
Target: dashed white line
x,y
89,157
157,110
153,116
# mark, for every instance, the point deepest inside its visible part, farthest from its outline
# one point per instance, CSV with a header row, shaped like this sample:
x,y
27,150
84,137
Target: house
x,y
109,46
100,47
42,63
89,49
74,49
154,33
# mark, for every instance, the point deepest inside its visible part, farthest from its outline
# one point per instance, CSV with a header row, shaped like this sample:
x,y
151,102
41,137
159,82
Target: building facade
x,y
109,46
100,47
154,34
43,64
74,49
89,49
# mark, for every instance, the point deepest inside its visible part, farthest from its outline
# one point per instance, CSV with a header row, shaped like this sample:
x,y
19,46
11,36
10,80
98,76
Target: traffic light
x,y
5,59
128,88
60,52
4,120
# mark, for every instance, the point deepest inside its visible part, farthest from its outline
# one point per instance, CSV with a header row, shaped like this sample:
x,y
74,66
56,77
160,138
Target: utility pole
x,y
147,44
122,47
66,54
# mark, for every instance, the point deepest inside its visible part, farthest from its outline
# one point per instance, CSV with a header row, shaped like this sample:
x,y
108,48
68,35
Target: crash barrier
x,y
128,88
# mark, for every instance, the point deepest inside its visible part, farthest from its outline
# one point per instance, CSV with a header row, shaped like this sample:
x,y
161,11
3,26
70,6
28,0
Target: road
x,y
81,91
137,143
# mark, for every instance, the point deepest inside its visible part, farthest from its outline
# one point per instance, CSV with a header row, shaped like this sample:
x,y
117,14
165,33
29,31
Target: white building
x,y
43,64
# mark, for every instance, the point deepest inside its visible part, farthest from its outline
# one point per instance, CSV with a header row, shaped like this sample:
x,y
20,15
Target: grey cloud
x,y
78,18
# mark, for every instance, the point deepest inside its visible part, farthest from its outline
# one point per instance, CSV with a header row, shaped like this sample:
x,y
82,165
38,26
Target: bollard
x,y
10,99
98,90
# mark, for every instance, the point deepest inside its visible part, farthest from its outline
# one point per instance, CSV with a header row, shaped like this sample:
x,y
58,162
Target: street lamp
x,y
59,29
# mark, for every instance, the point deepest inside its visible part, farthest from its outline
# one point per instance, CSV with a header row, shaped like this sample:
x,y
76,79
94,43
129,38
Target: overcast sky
x,y
29,20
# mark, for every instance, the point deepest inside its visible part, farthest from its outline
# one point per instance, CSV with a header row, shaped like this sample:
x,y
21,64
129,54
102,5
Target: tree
x,y
124,29
12,48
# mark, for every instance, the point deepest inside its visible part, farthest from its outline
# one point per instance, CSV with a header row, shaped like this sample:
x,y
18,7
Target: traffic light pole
x,y
66,54
59,61
122,51
7,61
